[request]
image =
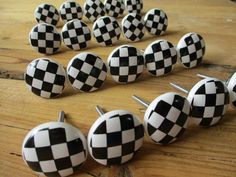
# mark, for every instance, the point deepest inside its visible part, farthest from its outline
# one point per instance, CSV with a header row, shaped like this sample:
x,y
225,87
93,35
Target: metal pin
x,y
208,77
141,101
179,88
99,110
61,117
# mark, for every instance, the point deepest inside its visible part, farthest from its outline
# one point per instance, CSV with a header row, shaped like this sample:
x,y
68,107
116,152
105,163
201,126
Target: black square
x,y
44,153
114,139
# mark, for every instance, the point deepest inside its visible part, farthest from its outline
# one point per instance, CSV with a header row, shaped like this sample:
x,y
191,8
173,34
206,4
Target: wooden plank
x,y
200,152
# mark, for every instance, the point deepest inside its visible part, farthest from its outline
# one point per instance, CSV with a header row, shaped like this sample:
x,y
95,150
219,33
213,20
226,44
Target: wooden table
x,y
200,152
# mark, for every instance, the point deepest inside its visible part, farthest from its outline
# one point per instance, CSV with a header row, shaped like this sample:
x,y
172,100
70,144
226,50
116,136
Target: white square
x,y
173,114
114,151
158,135
60,151
128,136
127,158
113,125
99,140
91,81
86,68
41,43
78,84
124,70
41,139
57,89
50,36
175,131
73,72
138,144
66,172
210,88
209,112
42,64
49,77
77,159
191,48
30,154
185,59
155,120
72,33
220,99
199,100
45,94
48,166
131,78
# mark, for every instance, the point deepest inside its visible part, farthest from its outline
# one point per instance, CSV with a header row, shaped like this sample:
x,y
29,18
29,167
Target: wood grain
x,y
200,152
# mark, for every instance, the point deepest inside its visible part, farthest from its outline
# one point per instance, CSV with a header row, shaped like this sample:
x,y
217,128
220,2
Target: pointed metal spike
x,y
99,110
179,88
141,101
61,116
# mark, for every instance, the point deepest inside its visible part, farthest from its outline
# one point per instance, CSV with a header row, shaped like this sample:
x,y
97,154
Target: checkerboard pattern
x,y
160,56
166,118
126,64
87,72
76,34
94,9
70,10
106,30
45,39
231,84
47,13
133,27
209,102
156,21
116,139
45,78
55,150
114,8
134,6
191,49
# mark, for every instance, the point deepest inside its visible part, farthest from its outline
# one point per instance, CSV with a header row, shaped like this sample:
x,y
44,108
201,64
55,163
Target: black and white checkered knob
x,y
114,8
156,21
166,118
160,56
231,85
126,64
115,137
86,72
55,149
76,34
133,27
46,13
134,6
94,9
209,100
106,30
70,10
45,39
191,49
45,77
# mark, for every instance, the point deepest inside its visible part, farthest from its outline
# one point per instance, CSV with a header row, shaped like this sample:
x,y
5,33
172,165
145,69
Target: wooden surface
x,y
200,152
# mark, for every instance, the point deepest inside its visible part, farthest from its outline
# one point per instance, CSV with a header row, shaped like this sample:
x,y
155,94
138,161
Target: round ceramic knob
x,y
126,64
86,72
160,56
191,49
54,149
46,13
115,137
231,84
106,30
166,118
209,99
70,10
133,27
114,8
156,21
45,77
134,6
76,34
93,9
45,39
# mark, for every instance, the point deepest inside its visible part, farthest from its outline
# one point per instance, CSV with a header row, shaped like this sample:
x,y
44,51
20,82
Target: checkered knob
x,y
133,27
114,8
86,72
191,49
70,10
46,13
209,99
54,149
166,118
231,84
156,21
94,9
160,57
115,137
126,64
45,39
45,77
106,30
134,6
